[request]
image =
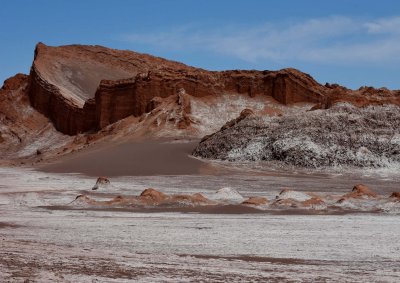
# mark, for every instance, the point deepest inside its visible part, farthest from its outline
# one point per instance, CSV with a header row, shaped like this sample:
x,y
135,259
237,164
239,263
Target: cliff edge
x,y
85,88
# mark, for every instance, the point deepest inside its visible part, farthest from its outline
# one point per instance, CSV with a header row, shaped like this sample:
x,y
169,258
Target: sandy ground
x,y
137,158
40,242
172,157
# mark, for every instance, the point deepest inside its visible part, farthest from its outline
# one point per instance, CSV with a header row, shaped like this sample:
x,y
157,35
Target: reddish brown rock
x,y
122,201
86,88
101,182
21,125
363,190
14,82
395,195
196,199
286,203
200,198
255,201
83,88
359,191
119,201
313,202
152,196
297,199
245,113
149,197
85,200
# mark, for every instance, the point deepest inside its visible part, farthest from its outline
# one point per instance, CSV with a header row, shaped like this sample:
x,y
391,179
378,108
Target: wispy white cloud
x,y
388,26
332,40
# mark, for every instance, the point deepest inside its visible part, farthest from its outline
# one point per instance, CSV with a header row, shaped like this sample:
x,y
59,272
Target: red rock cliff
x,y
84,88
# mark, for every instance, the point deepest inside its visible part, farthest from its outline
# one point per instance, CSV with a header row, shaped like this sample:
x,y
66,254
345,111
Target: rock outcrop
x,y
24,131
148,198
228,194
84,88
228,200
256,201
343,135
288,198
152,196
359,191
101,183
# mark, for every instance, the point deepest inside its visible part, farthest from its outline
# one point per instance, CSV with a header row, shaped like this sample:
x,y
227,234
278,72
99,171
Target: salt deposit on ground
x,y
227,194
68,245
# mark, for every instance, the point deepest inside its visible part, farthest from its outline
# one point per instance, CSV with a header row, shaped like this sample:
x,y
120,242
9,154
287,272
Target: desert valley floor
x,y
119,166
44,237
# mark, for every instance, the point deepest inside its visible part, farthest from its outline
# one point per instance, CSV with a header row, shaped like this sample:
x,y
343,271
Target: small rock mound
x,y
199,198
228,194
196,199
101,183
149,197
244,114
153,196
83,200
314,202
256,201
295,199
295,195
359,191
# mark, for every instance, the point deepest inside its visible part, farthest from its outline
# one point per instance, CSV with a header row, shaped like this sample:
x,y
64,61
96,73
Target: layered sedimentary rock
x,y
83,88
24,131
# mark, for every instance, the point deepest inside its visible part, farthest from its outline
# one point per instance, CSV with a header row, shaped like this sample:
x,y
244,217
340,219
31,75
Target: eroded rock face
x,y
85,88
74,89
82,88
24,131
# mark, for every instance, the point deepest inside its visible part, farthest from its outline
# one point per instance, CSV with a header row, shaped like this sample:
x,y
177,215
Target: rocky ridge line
x,y
85,88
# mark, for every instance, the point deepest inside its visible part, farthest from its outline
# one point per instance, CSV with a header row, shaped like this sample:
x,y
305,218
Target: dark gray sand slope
x,y
141,158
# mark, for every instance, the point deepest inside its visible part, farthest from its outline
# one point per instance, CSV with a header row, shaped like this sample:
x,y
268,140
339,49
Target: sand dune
x,y
150,157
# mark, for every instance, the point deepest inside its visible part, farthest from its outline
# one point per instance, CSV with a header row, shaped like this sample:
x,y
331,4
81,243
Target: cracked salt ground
x,y
114,246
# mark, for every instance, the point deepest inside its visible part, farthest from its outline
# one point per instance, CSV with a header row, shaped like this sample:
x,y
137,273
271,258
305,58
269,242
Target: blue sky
x,y
351,42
